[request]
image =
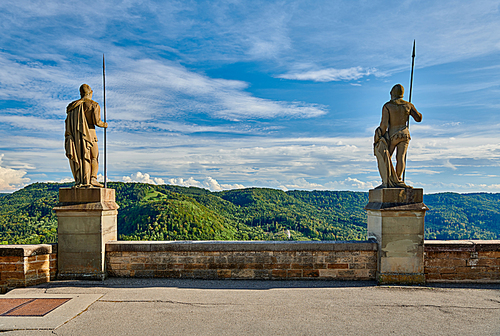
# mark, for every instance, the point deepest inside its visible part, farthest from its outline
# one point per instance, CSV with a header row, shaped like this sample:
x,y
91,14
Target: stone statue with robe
x,y
81,139
393,135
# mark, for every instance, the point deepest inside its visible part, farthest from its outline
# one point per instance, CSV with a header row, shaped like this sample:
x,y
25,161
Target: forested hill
x,y
166,212
462,216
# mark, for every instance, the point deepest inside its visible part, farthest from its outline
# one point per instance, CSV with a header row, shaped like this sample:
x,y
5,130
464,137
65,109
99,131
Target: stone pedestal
x,y
396,221
86,221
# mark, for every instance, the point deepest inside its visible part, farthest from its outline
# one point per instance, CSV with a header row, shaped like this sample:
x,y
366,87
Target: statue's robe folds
x,y
386,168
78,143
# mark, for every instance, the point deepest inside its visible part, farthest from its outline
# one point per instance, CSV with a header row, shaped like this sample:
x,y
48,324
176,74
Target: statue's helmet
x,y
397,91
85,90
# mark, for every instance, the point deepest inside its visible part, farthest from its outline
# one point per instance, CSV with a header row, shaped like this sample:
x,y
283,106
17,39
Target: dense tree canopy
x,y
165,212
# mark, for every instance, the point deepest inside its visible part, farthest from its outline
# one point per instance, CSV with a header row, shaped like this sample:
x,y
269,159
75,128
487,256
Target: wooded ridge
x,y
167,212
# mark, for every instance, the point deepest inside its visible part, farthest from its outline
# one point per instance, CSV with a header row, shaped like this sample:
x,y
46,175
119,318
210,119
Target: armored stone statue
x,y
393,134
81,140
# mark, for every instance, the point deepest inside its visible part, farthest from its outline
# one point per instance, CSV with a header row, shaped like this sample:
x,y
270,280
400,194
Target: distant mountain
x,y
26,216
462,216
163,212
166,212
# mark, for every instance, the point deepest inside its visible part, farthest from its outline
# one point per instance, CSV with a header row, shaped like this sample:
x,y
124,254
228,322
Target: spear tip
x,y
413,53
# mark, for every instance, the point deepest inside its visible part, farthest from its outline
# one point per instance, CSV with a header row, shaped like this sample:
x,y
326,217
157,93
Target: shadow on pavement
x,y
245,284
207,284
465,285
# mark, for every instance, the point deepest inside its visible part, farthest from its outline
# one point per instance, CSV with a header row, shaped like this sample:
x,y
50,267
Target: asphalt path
x,y
230,307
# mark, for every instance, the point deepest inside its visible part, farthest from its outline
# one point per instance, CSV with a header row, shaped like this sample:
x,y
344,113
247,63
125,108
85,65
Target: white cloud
x,y
347,184
352,183
173,126
424,171
64,180
471,142
448,164
284,31
152,90
212,184
225,186
190,182
316,160
309,163
100,178
165,87
145,94
208,183
11,179
484,186
457,187
445,31
143,178
328,33
35,82
331,74
30,122
301,183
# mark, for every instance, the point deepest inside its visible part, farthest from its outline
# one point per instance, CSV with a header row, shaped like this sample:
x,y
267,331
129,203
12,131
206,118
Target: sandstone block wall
x,y
243,260
462,261
26,265
445,261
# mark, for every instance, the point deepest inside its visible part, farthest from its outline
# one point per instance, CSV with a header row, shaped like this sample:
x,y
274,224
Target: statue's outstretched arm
x,y
415,114
97,117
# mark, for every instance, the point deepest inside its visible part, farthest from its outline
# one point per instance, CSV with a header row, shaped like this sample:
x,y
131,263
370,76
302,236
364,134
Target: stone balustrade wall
x,y
445,261
462,261
243,260
26,265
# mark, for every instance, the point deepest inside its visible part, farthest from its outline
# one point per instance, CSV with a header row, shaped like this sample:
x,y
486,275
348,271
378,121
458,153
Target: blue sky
x,y
231,94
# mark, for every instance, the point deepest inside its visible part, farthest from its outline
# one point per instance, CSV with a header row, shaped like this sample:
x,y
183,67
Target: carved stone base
x,y
87,219
400,278
396,221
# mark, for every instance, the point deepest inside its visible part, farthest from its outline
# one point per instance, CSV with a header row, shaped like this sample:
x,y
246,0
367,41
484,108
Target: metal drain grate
x,y
7,305
29,307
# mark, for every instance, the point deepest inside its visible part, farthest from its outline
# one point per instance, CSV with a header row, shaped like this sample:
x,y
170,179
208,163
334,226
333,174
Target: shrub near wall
x,y
243,260
27,265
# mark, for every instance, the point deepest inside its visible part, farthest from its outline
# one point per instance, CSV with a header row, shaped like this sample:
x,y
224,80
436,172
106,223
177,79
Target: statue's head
x,y
397,91
85,90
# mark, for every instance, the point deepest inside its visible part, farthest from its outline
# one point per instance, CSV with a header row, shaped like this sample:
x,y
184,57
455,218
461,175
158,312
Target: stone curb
x,y
27,250
235,246
462,245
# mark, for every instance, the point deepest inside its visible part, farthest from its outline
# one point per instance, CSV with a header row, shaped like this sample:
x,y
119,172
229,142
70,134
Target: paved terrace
x,y
121,306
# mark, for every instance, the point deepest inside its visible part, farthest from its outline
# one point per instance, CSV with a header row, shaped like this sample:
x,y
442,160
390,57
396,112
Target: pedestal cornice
x,y
396,199
86,199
